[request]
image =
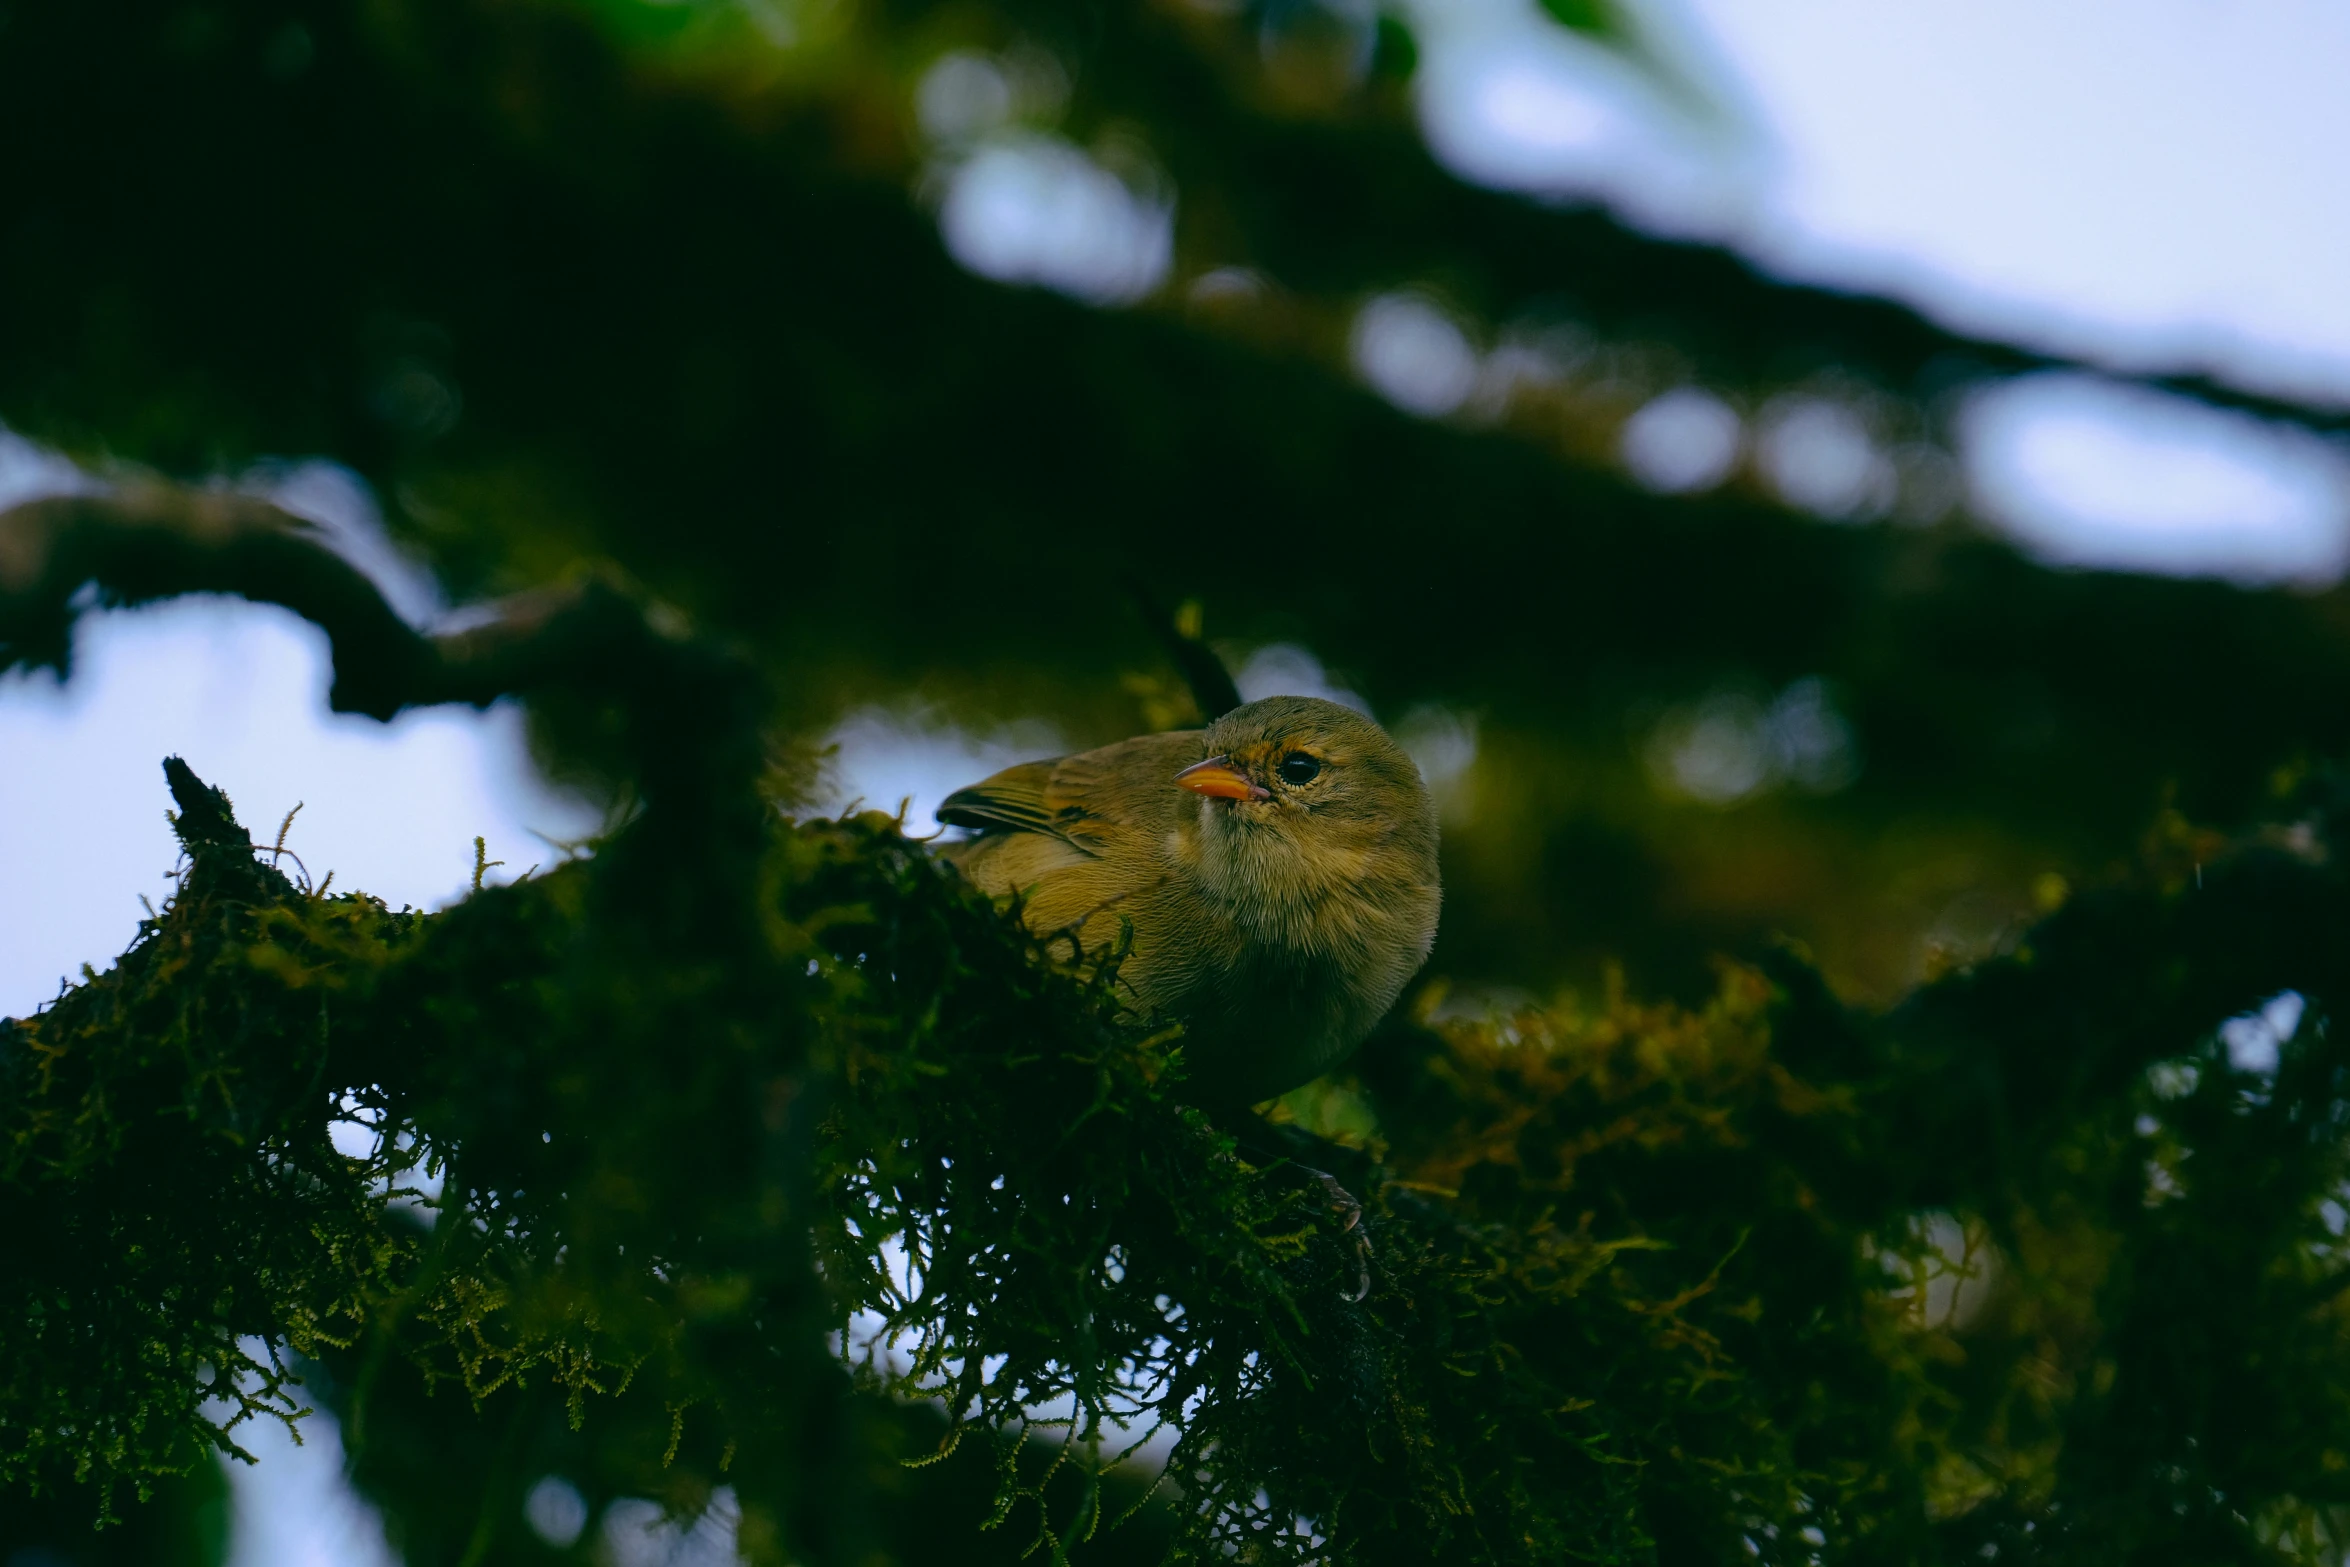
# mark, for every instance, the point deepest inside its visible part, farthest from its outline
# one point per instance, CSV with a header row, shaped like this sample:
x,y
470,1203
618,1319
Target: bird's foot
x,y
1350,1211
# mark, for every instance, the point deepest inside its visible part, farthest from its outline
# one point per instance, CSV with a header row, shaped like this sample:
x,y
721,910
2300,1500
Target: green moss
x,y
1645,1283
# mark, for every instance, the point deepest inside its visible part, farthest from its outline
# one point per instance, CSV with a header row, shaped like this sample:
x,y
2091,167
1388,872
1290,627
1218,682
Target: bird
x,y
1273,878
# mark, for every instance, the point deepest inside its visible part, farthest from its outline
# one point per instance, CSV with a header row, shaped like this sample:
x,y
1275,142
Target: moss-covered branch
x,y
1643,1280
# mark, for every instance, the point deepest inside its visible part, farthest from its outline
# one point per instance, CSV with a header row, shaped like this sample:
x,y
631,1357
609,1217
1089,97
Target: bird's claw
x,y
1341,1200
1350,1211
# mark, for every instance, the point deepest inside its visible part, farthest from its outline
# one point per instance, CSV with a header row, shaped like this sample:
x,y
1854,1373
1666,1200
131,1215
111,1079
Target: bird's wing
x,y
1015,800
1100,796
1087,800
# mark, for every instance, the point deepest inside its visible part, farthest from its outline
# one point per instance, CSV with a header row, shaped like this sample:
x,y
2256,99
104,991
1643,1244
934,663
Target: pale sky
x,y
2151,187
2154,185
2157,184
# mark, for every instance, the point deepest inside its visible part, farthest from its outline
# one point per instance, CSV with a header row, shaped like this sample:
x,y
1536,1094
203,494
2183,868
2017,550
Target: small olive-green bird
x,y
1277,869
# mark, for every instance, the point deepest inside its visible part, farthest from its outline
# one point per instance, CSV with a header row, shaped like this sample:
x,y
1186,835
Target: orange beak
x,y
1218,778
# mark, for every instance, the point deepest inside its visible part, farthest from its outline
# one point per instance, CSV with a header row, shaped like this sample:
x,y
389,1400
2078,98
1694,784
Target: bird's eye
x,y
1298,768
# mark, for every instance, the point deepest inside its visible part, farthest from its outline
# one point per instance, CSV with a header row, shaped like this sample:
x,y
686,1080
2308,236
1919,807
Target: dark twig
x,y
1210,682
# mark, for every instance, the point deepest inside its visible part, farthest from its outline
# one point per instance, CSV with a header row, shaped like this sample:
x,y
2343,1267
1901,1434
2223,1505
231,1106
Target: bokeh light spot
x,y
1285,669
1685,441
638,1533
555,1511
2256,1040
884,758
1035,209
962,96
1819,455
1413,354
1730,746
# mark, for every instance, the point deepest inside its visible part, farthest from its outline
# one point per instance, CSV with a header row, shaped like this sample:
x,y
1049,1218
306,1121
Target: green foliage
x,y
184,1523
143,1111
2024,1265
1073,1241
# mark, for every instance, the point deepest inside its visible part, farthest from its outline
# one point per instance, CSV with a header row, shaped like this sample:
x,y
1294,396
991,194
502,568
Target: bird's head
x,y
1301,800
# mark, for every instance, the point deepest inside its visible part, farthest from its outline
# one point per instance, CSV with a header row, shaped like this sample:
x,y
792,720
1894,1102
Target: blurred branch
x,y
1210,682
1386,214
146,541
150,540
689,712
